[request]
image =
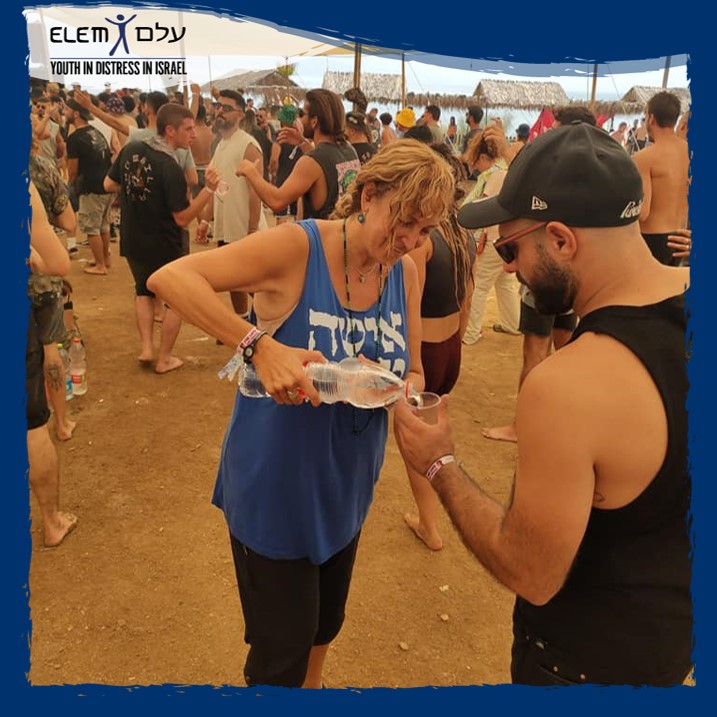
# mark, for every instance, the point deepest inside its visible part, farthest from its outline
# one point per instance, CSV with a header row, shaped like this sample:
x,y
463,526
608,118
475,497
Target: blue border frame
x,y
517,32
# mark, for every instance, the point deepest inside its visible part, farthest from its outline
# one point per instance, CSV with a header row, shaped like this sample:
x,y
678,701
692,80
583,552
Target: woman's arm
x,y
413,324
272,263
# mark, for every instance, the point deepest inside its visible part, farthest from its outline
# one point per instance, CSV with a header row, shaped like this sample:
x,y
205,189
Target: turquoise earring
x,y
361,218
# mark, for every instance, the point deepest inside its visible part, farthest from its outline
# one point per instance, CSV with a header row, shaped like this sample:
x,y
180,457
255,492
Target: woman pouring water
x,y
295,481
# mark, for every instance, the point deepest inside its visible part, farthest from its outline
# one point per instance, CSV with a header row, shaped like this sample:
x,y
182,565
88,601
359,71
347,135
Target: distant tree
x,y
286,70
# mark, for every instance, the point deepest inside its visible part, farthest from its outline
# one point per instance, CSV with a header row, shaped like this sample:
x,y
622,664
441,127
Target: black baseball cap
x,y
576,174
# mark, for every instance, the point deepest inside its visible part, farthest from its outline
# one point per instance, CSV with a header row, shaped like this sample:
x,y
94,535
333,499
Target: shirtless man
x,y
664,168
620,134
203,137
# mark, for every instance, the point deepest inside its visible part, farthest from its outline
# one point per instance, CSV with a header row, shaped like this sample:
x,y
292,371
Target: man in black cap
x,y
594,541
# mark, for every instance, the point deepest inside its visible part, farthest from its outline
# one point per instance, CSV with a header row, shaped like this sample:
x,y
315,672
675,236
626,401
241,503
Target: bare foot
x,y
430,539
147,356
64,432
95,270
501,433
167,366
64,525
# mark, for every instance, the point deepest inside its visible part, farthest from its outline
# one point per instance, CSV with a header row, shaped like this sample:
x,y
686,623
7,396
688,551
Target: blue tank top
x,y
296,481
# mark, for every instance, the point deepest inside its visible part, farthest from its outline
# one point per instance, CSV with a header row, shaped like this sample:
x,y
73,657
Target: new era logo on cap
x,y
538,204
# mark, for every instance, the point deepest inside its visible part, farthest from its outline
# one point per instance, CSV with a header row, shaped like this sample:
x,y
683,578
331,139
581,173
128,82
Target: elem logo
x,y
538,204
100,34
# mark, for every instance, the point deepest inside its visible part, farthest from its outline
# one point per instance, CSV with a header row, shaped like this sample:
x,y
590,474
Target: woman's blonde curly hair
x,y
420,181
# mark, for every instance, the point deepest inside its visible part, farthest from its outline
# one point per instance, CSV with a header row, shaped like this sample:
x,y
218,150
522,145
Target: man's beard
x,y
553,287
222,123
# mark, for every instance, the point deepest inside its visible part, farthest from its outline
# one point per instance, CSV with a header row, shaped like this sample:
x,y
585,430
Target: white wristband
x,y
437,465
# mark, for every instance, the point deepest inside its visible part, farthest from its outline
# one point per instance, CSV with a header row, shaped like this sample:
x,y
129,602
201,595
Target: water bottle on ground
x,y
65,358
351,380
78,367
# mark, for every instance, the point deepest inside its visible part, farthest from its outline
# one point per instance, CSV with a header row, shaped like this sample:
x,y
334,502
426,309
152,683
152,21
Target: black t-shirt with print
x,y
364,150
90,148
153,187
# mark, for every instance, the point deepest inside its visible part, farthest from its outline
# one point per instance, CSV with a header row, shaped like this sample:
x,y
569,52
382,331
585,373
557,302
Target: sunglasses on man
x,y
504,245
225,108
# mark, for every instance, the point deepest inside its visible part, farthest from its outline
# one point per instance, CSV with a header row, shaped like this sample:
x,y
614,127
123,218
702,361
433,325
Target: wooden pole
x,y
357,67
403,80
667,72
594,90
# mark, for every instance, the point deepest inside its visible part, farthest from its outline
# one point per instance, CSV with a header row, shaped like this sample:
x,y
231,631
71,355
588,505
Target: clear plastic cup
x,y
222,189
427,407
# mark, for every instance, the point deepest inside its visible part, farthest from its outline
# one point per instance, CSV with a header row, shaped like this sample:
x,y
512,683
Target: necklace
x,y
352,329
363,276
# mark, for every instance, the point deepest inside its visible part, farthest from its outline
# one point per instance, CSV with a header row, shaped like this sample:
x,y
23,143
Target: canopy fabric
x,y
157,33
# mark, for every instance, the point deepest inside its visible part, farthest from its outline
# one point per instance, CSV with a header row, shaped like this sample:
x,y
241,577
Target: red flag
x,y
601,119
544,122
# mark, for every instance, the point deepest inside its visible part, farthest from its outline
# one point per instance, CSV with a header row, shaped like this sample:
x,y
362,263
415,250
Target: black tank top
x,y
289,155
441,297
340,165
624,614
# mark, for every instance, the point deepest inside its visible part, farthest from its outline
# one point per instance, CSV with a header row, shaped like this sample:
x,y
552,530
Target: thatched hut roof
x,y
640,95
376,87
519,94
267,82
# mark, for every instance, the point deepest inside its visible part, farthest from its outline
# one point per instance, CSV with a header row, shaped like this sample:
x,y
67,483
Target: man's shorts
x,y
532,322
657,243
142,269
201,183
49,317
93,216
37,412
289,607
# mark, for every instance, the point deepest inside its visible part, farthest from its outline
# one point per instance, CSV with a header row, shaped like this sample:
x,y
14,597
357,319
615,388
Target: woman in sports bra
x,y
445,277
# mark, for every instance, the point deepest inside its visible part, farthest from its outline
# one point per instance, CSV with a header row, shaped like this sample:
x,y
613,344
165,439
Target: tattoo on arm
x,y
54,377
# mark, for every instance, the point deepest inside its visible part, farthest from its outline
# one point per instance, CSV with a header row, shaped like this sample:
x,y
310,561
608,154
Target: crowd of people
x,y
339,235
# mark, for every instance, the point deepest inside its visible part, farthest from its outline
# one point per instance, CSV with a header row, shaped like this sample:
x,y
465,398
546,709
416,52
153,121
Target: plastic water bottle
x,y
360,384
65,358
78,367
